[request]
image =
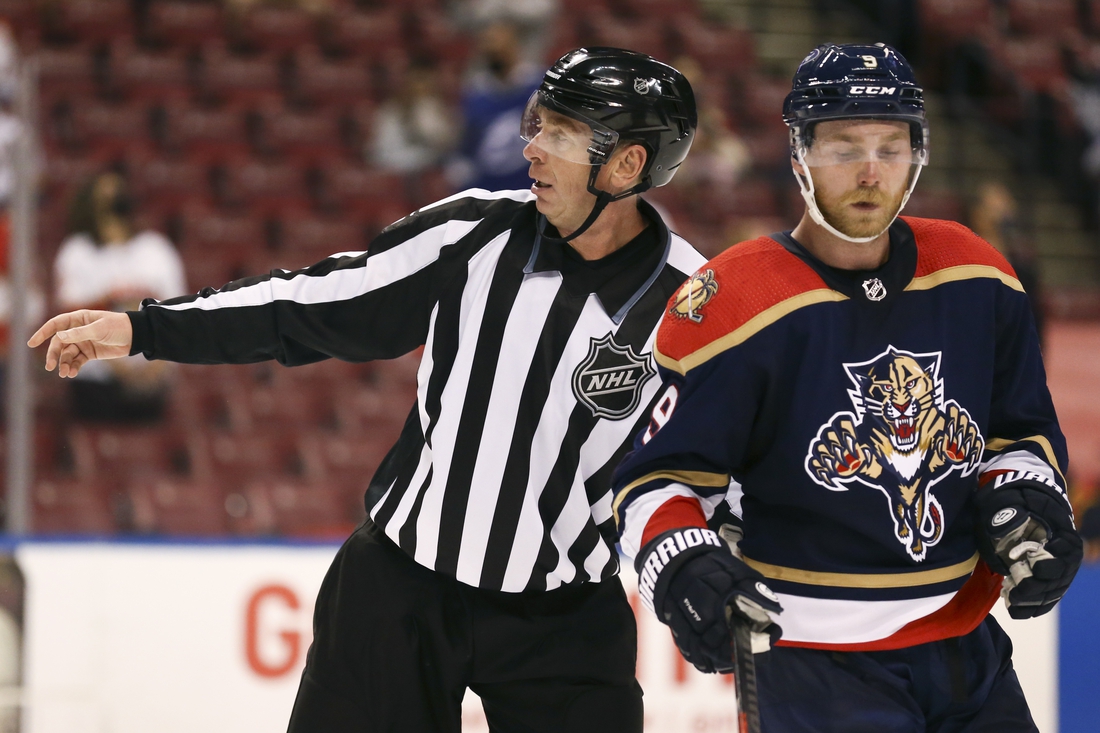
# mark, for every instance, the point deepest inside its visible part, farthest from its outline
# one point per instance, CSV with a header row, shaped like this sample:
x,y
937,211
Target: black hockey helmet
x,y
623,96
851,81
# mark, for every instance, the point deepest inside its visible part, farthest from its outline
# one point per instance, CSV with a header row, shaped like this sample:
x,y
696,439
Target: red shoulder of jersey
x,y
948,251
738,293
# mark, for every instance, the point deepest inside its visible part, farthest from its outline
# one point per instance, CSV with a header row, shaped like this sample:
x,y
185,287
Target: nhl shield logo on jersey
x,y
610,379
695,293
902,439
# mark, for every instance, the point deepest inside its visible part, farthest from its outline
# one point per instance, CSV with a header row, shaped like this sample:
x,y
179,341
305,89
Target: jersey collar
x,y
618,294
874,287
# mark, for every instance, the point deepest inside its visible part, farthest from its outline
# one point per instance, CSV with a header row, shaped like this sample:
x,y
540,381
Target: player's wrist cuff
x,y
659,560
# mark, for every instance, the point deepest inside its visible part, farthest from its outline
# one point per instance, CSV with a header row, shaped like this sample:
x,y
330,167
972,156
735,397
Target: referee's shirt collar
x,y
621,278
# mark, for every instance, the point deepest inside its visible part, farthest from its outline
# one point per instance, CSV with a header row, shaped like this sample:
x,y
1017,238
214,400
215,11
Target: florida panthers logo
x,y
902,439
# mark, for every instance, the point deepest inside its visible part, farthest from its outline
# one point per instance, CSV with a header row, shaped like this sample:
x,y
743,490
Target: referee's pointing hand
x,y
80,336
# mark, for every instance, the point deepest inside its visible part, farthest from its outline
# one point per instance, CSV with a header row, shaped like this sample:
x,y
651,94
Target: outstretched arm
x,y
80,336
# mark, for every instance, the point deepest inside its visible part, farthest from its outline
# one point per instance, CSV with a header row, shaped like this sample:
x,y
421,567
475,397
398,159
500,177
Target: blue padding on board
x,y
1079,654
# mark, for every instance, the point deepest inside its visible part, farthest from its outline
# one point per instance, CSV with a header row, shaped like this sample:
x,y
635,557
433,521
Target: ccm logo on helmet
x,y
872,90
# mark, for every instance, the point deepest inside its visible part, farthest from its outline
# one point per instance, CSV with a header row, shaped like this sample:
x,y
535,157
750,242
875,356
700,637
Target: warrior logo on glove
x,y
902,440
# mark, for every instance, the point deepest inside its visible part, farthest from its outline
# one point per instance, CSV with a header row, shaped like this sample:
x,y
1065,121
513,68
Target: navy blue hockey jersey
x,y
849,417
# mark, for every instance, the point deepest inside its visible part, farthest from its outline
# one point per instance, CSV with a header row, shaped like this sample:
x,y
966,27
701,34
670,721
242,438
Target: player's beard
x,y
855,223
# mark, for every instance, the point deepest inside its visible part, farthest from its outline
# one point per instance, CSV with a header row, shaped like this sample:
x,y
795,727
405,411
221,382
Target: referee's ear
x,y
624,170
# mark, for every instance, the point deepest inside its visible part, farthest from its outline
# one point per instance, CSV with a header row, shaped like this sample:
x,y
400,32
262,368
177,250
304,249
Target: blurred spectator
x,y
531,18
1082,63
490,153
105,265
719,157
414,130
994,217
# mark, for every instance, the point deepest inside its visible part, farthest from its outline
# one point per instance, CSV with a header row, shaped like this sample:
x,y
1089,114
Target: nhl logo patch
x,y
610,379
874,289
641,86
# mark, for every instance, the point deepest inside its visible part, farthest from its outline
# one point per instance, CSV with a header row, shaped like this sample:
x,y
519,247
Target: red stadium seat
x,y
935,204
436,34
322,81
111,129
94,21
185,24
317,510
762,102
1036,62
1042,17
64,175
174,506
247,79
206,134
719,49
266,188
65,72
374,34
168,184
235,459
647,36
302,136
376,411
309,239
365,192
770,147
118,453
946,22
268,406
65,505
277,29
150,76
218,247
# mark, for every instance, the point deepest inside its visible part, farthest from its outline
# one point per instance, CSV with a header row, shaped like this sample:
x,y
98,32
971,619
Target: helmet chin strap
x,y
603,198
806,187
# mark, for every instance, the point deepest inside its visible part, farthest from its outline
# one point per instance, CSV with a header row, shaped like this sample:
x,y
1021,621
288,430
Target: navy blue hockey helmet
x,y
854,82
849,81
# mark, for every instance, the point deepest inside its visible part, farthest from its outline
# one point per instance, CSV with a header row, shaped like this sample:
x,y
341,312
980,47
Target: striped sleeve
x,y
355,306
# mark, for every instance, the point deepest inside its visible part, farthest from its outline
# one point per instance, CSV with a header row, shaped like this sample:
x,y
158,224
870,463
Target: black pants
x,y
396,645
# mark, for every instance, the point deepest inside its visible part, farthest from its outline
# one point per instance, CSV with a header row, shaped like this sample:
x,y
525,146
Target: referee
x,y
488,559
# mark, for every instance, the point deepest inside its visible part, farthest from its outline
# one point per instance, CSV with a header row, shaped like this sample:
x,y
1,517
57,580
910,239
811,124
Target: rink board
x,y
129,637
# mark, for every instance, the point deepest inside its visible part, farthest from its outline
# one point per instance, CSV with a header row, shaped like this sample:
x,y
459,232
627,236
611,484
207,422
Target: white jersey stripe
x,y
401,514
830,621
474,297
521,195
574,516
546,444
380,270
521,333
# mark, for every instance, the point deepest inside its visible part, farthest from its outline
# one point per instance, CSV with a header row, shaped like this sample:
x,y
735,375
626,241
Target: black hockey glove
x,y
1026,533
690,578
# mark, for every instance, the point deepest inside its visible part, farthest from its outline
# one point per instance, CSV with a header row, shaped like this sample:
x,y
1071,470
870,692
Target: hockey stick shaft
x,y
748,702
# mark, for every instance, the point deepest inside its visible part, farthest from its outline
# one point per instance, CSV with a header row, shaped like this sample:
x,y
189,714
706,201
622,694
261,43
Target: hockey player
x,y
866,392
488,559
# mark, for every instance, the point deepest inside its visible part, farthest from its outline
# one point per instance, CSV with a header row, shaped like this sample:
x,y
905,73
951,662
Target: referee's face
x,y
561,186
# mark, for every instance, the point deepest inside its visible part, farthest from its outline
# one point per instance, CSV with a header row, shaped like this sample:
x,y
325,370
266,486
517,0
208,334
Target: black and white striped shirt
x,y
537,374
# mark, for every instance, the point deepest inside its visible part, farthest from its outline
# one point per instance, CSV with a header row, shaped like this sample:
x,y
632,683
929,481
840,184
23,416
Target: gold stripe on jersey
x,y
999,444
752,326
963,272
865,580
690,478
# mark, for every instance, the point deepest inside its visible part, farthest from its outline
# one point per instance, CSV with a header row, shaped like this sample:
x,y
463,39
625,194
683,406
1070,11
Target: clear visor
x,y
565,137
849,145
